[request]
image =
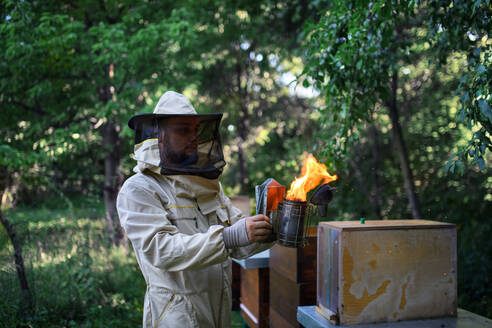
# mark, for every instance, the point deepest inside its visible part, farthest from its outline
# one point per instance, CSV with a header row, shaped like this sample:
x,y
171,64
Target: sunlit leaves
x,y
350,54
465,26
353,49
67,69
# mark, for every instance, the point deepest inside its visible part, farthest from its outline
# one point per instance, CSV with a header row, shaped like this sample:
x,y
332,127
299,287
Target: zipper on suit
x,y
165,309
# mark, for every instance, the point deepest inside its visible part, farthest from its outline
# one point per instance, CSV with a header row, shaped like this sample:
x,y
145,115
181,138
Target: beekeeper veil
x,y
176,140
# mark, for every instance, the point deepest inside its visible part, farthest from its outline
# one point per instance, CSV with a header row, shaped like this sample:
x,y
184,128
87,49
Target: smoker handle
x,y
274,221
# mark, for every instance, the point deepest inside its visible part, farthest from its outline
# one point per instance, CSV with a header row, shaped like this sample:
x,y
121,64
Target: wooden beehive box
x,y
254,297
292,281
388,270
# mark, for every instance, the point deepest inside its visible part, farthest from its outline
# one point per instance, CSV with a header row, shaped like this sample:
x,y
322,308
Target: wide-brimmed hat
x,y
172,104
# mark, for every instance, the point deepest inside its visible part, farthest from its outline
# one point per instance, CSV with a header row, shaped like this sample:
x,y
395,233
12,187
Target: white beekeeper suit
x,y
176,226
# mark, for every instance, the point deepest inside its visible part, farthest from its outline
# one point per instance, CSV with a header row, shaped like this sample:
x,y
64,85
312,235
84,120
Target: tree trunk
x,y
112,179
112,157
243,131
402,151
19,265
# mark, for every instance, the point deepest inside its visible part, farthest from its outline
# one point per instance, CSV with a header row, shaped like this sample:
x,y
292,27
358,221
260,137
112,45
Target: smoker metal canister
x,y
291,225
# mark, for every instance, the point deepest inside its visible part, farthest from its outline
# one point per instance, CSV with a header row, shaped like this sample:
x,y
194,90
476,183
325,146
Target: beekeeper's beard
x,y
180,158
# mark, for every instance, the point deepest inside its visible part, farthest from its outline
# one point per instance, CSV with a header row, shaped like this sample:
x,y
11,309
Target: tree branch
x,y
19,264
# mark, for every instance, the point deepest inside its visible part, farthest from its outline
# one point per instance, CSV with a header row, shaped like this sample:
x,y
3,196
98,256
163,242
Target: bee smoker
x,y
290,218
294,221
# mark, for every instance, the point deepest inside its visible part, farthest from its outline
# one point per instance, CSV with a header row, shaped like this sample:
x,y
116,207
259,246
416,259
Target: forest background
x,y
393,96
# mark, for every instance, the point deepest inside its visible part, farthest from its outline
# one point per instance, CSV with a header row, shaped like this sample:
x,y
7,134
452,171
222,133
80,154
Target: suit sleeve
x,y
158,241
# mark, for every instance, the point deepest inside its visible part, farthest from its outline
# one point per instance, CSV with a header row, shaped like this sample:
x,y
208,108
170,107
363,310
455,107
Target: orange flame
x,y
312,173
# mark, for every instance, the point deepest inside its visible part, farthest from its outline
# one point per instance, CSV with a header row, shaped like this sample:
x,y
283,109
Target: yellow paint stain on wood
x,y
375,248
403,301
372,264
353,306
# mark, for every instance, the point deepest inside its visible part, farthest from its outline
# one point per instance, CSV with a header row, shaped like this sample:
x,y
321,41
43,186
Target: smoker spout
x,y
322,196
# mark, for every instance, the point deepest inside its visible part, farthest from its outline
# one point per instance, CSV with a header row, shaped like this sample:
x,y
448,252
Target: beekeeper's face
x,y
178,142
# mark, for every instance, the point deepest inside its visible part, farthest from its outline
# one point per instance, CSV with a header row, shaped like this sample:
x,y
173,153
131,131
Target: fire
x,y
312,173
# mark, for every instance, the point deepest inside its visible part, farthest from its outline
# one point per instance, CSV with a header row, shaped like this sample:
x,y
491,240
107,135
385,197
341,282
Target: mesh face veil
x,y
188,144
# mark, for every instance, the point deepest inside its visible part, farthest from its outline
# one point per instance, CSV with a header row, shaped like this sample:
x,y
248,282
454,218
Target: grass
x,y
76,278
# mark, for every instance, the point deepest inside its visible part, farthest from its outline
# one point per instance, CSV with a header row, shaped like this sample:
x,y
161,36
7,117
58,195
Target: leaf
x,y
461,115
476,5
485,109
450,161
481,163
481,69
464,97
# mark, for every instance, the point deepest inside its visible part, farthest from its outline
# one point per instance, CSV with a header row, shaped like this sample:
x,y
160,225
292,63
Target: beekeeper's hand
x,y
247,230
258,227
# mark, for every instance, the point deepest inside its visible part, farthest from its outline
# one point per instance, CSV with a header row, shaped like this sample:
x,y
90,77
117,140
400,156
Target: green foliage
x,y
474,265
79,67
69,70
356,47
352,54
465,26
12,159
77,279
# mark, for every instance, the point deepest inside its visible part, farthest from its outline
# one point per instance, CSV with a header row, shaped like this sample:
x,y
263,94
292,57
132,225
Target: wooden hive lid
x,y
387,224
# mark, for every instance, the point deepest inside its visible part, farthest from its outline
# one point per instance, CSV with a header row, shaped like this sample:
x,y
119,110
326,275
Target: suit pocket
x,y
164,310
184,218
172,310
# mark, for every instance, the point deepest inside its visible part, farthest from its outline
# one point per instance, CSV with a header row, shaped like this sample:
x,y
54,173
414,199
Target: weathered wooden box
x,y
292,281
254,289
254,297
388,270
296,264
285,296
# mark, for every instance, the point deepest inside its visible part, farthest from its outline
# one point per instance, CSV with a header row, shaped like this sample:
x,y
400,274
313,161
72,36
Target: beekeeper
x,y
183,228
